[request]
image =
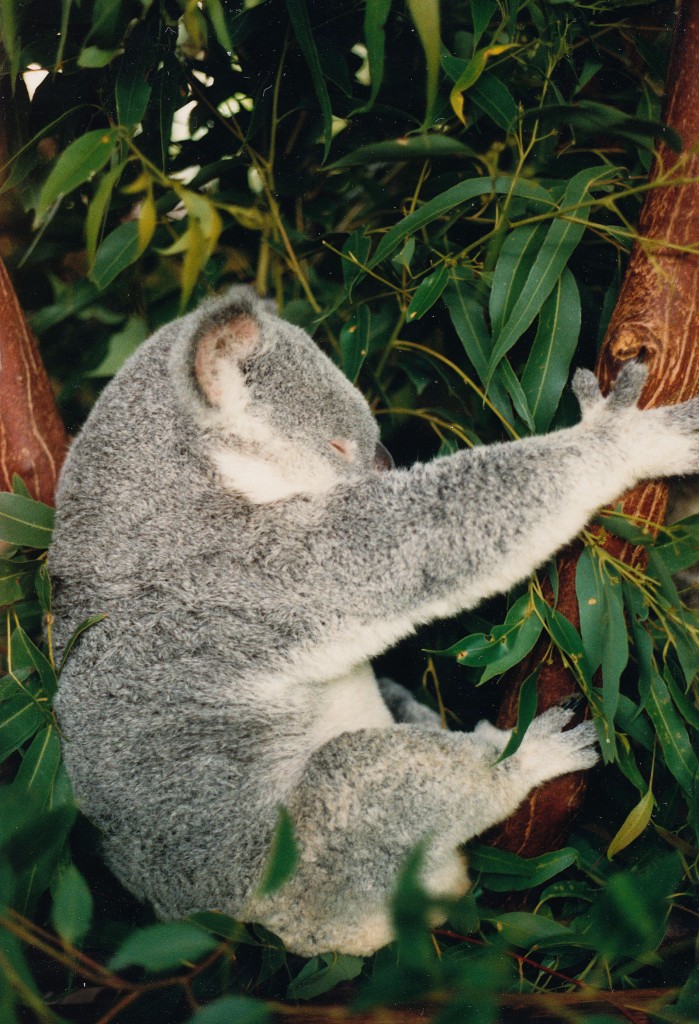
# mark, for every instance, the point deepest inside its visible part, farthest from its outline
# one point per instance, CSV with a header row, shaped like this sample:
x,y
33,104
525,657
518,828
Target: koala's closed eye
x,y
347,449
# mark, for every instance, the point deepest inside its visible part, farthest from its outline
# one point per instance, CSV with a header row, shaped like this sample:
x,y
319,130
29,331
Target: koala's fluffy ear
x,y
225,340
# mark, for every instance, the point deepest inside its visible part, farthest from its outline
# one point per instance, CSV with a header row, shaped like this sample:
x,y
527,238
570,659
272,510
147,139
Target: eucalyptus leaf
x,y
117,251
233,1010
283,855
71,912
75,165
298,15
448,201
672,734
163,947
560,241
25,522
427,292
634,824
546,372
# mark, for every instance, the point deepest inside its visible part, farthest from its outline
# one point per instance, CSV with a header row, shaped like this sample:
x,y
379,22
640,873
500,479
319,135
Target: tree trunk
x,y
33,440
656,318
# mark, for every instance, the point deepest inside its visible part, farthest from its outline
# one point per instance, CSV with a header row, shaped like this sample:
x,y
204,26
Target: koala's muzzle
x,y
383,460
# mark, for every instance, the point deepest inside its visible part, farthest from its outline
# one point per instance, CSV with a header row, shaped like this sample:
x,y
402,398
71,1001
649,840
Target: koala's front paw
x,y
547,752
658,442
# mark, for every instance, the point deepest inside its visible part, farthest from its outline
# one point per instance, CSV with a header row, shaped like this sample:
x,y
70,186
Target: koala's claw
x,y
548,752
625,392
628,385
586,389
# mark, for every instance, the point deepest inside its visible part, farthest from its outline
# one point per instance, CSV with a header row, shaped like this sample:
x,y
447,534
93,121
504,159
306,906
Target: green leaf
x,y
92,620
42,586
637,902
468,318
501,871
121,345
217,17
427,292
527,930
10,36
561,240
515,638
481,13
546,372
375,15
19,486
448,201
411,147
11,576
298,14
471,73
425,15
40,764
514,390
672,734
354,342
323,973
592,602
83,158
96,57
25,522
19,719
233,1010
494,99
526,710
515,261
356,249
163,947
132,89
615,651
26,653
63,33
71,912
634,824
283,855
117,251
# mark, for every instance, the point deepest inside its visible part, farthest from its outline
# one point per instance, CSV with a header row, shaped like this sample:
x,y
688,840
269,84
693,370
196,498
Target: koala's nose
x,y
383,460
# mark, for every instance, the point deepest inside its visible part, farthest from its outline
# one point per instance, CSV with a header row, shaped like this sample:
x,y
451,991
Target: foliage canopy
x,y
445,198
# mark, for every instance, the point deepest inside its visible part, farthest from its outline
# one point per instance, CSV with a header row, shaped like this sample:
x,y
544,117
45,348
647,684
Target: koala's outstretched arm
x,y
367,797
438,538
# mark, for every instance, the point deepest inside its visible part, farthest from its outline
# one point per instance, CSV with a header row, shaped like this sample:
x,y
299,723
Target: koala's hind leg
x,y
404,708
367,797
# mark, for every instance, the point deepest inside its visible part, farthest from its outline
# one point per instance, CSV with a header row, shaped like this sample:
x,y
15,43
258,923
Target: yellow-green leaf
x,y
635,823
147,219
425,15
471,73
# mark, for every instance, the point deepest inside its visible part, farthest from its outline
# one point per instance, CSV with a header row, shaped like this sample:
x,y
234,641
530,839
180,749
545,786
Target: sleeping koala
x,y
229,507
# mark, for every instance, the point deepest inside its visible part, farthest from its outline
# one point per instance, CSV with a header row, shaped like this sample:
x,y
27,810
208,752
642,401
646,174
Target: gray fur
x,y
231,674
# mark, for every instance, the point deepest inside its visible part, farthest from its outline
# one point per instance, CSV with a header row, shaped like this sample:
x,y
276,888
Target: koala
x,y
229,508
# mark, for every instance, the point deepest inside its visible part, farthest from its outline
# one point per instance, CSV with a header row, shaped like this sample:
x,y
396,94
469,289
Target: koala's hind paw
x,y
547,751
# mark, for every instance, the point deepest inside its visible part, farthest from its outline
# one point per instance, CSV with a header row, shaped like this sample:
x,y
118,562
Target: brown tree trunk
x,y
33,440
656,318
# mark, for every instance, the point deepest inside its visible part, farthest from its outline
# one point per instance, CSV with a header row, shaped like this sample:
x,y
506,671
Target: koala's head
x,y
279,418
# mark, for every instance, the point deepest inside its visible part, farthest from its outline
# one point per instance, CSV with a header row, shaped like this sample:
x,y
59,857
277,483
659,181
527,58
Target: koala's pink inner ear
x,y
222,346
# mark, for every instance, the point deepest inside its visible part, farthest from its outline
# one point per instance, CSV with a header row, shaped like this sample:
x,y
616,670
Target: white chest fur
x,y
347,704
